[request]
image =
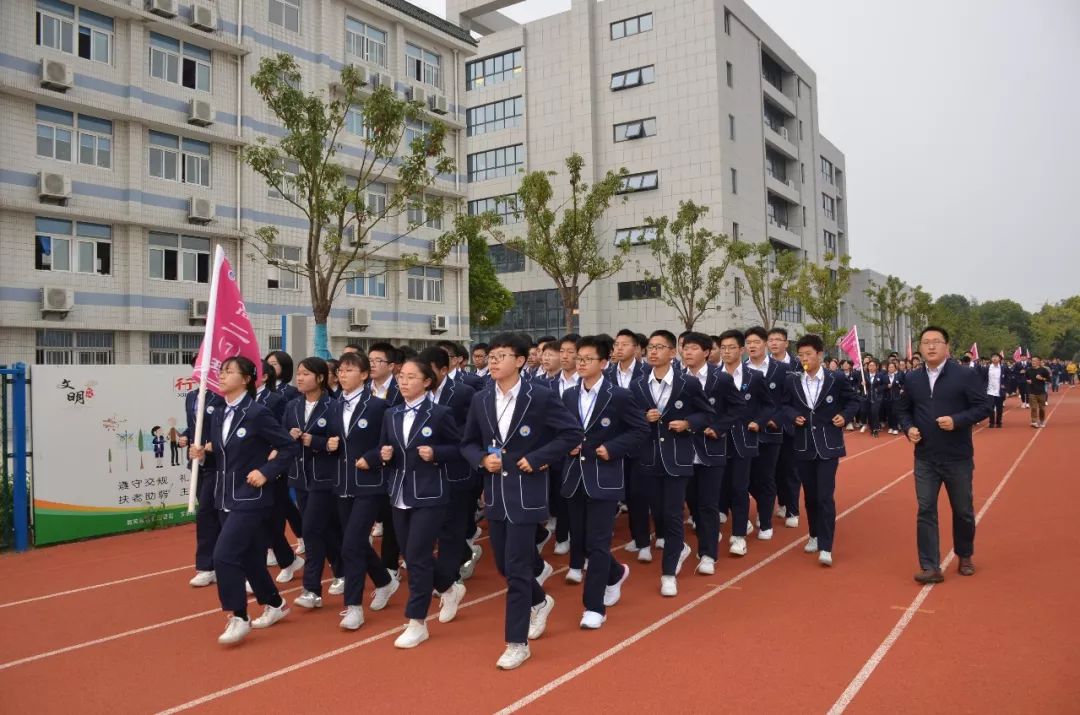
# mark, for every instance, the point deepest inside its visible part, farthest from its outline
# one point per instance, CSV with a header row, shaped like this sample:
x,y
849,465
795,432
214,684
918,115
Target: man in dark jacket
x,y
941,402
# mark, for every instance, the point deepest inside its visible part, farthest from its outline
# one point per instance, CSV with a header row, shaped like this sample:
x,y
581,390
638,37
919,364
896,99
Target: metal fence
x,y
14,466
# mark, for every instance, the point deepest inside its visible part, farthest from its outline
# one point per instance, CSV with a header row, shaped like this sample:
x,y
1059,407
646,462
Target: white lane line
x,y
83,589
872,663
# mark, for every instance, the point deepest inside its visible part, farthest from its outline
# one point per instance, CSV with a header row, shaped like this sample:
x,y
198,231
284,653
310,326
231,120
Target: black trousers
x,y
391,551
668,496
515,558
873,414
207,523
417,530
787,478
703,496
275,525
763,482
239,555
998,411
174,454
892,416
957,478
818,477
594,520
293,517
452,535
735,492
639,502
357,515
558,504
322,539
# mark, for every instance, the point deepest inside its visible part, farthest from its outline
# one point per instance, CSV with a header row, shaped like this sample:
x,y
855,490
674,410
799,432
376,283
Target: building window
x,y
423,65
791,314
173,159
830,242
285,13
828,171
734,181
368,284
635,236
738,291
416,129
179,258
800,130
273,342
491,164
804,216
57,129
179,62
631,26
730,75
802,171
639,290
420,213
506,260
288,181
731,126
828,205
74,31
727,22
174,348
376,198
637,129
365,42
492,117
506,207
280,277
633,78
536,312
777,212
74,246
734,232
646,181
772,72
354,123
74,347
493,70
426,283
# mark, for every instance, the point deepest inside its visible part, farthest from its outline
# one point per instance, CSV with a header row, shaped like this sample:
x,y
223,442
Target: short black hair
x,y
546,339
599,343
702,340
318,367
551,345
571,338
388,350
667,335
271,376
449,346
874,361
405,352
810,340
642,340
736,334
966,360
607,339
934,329
512,341
683,334
435,356
776,330
481,346
757,331
355,346
357,360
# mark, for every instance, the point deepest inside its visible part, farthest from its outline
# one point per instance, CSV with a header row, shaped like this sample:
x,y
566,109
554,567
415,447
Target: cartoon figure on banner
x,y
173,436
158,441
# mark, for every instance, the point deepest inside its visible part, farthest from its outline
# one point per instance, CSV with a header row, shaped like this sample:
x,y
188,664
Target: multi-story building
x,y
120,171
698,100
876,335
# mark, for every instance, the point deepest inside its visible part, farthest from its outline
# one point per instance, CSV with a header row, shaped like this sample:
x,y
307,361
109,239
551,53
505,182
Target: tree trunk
x,y
322,338
569,296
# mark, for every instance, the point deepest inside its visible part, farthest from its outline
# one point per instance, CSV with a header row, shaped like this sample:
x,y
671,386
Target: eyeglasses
x,y
379,361
657,347
587,360
499,357
933,343
347,369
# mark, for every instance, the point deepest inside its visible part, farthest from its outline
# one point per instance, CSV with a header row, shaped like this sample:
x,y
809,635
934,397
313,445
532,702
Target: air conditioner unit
x,y
783,132
200,210
203,17
351,240
199,309
57,75
359,318
419,95
164,8
437,104
57,299
200,113
55,186
439,323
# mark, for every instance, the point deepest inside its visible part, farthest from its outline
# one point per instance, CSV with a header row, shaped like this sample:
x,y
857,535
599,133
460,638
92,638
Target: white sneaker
x,y
811,545
631,547
551,522
514,655
781,511
574,576
539,616
451,599
683,555
792,522
382,595
850,427
738,546
337,587
201,579
414,634
236,628
862,429
469,567
271,615
353,618
562,547
825,558
591,620
307,599
271,560
764,534
545,574
660,544
476,535
543,543
644,556
377,529
668,586
706,566
289,572
723,517
613,593
749,528
1042,424
300,548
248,588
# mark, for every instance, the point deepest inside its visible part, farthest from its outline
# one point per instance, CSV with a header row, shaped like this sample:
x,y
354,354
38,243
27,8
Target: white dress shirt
x,y
348,402
380,391
565,384
504,408
406,429
661,388
230,411
309,407
762,368
702,375
625,377
932,374
587,400
993,380
439,390
812,385
736,375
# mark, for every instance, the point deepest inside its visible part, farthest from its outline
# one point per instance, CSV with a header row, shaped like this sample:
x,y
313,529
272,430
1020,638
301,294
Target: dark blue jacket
x,y
417,482
315,469
754,392
274,401
819,438
457,397
360,439
892,392
471,379
775,376
668,452
958,393
729,408
541,430
611,372
617,424
288,392
212,399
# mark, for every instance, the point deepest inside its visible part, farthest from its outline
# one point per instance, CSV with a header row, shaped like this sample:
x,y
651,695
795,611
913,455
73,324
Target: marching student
x,y
625,368
995,378
874,395
763,486
549,362
420,439
282,363
787,479
818,404
560,510
241,435
333,388
894,388
593,481
384,359
480,359
710,446
514,431
207,520
315,471
355,423
675,408
743,439
284,510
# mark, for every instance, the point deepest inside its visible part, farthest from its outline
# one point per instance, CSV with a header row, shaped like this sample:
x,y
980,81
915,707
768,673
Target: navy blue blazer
x,y
191,401
315,469
754,392
819,438
253,434
288,392
892,392
876,386
273,401
471,379
730,409
958,393
393,394
541,430
457,397
360,439
1003,383
611,372
775,376
420,483
670,452
615,423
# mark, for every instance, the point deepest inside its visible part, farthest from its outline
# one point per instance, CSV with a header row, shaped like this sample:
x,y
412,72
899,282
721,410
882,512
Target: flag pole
x,y
204,370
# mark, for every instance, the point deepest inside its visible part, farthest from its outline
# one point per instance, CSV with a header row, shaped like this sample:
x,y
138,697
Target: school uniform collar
x,y
512,392
567,384
669,378
415,404
436,394
385,387
763,368
350,397
595,388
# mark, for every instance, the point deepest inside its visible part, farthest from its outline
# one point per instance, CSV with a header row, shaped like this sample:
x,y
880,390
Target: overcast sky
x,y
960,121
